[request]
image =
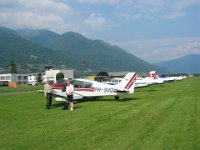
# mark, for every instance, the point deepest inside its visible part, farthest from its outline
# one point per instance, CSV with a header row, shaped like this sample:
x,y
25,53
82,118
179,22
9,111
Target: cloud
x,y
155,9
149,9
179,8
34,14
130,17
110,2
97,21
158,50
58,15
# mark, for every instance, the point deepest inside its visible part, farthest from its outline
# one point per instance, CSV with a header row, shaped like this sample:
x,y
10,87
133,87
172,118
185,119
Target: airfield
x,y
157,117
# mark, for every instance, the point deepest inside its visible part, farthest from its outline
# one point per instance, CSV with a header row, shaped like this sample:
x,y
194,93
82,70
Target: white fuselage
x,y
93,89
146,81
87,88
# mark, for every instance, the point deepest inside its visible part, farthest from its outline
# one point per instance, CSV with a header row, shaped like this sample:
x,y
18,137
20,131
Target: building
x,y
13,77
117,74
51,74
32,78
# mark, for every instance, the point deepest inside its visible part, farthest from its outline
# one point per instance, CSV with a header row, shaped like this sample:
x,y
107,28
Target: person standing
x,y
48,94
69,93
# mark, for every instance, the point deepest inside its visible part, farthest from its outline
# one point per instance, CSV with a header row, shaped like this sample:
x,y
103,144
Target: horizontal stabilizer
x,y
59,99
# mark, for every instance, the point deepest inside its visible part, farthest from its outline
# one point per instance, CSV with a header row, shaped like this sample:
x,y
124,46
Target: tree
x,y
13,67
39,78
59,76
104,74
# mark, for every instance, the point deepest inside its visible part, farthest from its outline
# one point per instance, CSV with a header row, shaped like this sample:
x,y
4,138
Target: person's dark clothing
x,y
49,100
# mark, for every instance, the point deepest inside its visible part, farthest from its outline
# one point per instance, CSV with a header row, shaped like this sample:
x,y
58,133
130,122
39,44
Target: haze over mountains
x,y
189,64
33,49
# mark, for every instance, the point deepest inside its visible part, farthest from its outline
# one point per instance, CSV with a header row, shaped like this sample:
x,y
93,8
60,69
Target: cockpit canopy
x,y
82,84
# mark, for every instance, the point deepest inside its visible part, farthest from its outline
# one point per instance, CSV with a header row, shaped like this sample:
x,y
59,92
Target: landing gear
x,y
117,97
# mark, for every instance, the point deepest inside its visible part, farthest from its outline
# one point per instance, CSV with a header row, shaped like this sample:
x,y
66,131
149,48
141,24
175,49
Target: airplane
x,y
87,88
149,79
178,78
140,82
116,81
165,78
151,75
172,78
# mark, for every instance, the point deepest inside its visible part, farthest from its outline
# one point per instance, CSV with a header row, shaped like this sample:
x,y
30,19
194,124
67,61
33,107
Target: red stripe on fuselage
x,y
130,83
85,89
57,88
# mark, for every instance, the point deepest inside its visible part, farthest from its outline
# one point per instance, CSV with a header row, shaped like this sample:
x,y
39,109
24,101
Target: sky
x,y
153,30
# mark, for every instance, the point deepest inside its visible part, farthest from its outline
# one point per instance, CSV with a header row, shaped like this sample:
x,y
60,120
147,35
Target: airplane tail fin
x,y
128,83
151,75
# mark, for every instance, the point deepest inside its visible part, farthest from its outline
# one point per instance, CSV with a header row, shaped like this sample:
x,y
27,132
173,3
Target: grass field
x,y
159,117
21,88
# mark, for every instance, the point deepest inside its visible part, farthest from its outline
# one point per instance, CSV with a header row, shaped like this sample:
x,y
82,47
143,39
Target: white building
x,y
32,78
13,77
117,74
51,74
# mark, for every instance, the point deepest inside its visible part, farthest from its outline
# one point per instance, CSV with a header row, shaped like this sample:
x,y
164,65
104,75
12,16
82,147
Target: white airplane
x,y
140,82
173,78
178,78
86,88
116,81
149,79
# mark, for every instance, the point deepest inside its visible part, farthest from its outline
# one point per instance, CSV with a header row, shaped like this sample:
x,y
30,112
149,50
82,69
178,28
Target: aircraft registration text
x,y
105,90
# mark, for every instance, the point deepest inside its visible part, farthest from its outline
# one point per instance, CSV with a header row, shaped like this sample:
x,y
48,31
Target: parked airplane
x,y
178,78
115,81
149,79
172,78
140,82
86,88
151,75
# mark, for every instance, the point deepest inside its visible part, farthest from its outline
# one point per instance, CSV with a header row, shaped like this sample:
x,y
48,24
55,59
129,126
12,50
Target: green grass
x,y
21,88
159,117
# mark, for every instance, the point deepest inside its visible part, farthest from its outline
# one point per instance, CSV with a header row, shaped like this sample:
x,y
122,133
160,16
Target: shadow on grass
x,y
162,86
152,90
92,99
57,104
101,99
127,99
61,105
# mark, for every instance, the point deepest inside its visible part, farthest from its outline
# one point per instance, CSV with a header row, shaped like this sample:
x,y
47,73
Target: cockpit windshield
x,y
82,84
62,81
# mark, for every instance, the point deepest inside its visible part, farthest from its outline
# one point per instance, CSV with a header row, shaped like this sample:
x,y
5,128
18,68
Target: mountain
x,y
26,53
188,64
97,54
7,30
41,36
